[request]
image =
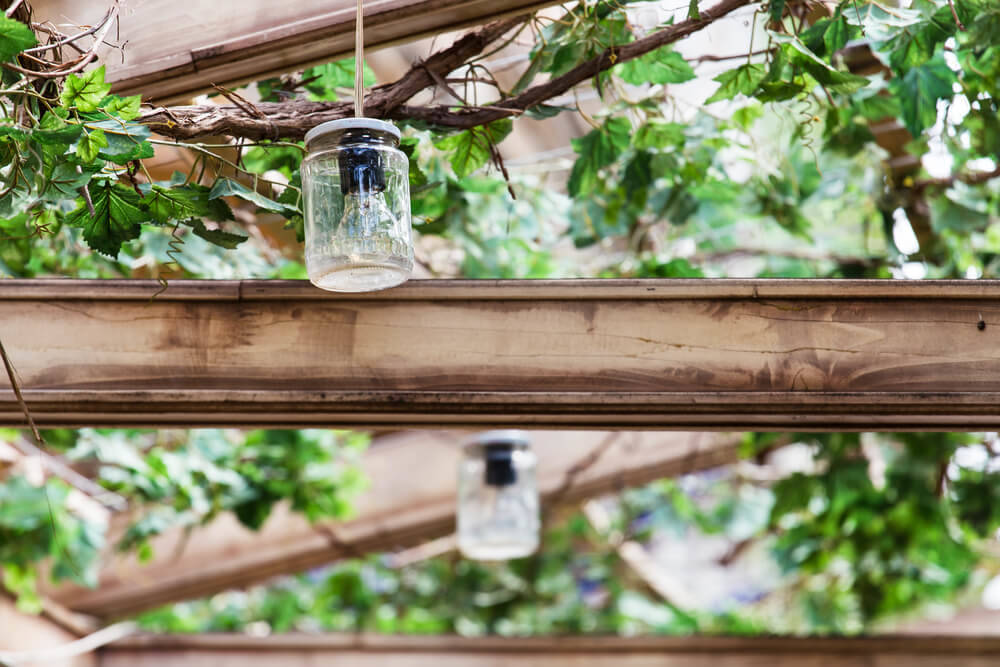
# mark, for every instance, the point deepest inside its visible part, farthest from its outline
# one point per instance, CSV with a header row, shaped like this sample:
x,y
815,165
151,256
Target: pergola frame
x,y
707,354
607,354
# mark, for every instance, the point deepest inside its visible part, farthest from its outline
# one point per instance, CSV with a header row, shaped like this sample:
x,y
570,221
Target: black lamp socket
x,y
361,170
500,469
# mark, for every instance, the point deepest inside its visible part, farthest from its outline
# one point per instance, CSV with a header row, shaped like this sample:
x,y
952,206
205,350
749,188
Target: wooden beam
x,y
686,354
175,50
387,651
399,509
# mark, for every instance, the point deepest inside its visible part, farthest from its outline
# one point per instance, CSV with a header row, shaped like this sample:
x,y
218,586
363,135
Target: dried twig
x,y
969,178
954,15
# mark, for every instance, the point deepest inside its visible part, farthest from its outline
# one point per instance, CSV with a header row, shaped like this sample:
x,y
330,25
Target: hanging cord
x,y
359,63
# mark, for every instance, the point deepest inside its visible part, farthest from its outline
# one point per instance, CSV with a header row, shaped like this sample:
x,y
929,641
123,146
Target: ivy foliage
x,y
646,170
171,480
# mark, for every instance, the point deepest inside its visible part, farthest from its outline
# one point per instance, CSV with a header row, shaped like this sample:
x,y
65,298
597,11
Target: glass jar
x,y
498,509
356,187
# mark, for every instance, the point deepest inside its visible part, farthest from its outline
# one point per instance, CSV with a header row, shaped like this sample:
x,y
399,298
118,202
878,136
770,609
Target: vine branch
x,y
292,119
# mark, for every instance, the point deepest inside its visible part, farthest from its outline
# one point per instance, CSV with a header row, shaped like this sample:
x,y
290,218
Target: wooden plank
x,y
294,650
29,632
175,50
399,509
686,354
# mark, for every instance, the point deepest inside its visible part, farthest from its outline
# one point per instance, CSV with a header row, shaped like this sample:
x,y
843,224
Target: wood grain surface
x,y
596,354
364,650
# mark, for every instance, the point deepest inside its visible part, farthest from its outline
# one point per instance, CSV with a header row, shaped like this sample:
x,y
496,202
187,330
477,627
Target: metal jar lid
x,y
343,124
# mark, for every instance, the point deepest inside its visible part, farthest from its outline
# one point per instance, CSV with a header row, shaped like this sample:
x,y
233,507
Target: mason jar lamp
x,y
498,508
355,182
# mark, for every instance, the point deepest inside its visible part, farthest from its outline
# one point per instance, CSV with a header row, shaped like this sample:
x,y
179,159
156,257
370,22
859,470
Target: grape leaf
x,y
656,133
90,144
54,131
85,92
216,236
744,79
918,92
227,187
127,141
470,149
116,218
183,202
63,181
324,80
126,108
597,149
14,37
662,65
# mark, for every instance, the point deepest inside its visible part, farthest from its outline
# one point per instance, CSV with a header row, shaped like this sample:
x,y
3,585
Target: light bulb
x,y
367,240
500,523
498,509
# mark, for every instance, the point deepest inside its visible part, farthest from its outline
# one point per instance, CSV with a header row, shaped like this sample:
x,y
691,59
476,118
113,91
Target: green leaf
x,y
876,107
183,202
14,38
90,144
216,236
962,209
881,23
918,92
87,91
543,111
827,36
918,43
597,149
324,80
54,131
127,141
744,79
469,150
64,181
21,581
125,108
227,187
656,133
832,79
117,217
662,65
776,9
10,131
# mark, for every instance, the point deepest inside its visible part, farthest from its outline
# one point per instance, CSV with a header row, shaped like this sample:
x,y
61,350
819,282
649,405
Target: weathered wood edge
x,y
709,411
697,644
570,289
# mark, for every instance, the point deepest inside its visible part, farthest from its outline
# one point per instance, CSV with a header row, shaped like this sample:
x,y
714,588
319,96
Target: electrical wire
x,y
359,63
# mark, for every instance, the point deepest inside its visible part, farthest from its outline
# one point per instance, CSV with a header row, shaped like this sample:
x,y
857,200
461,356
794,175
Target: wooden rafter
x,y
175,50
399,509
715,354
365,650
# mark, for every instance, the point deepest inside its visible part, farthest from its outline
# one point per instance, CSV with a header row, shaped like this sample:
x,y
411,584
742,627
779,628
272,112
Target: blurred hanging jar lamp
x,y
356,186
498,508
